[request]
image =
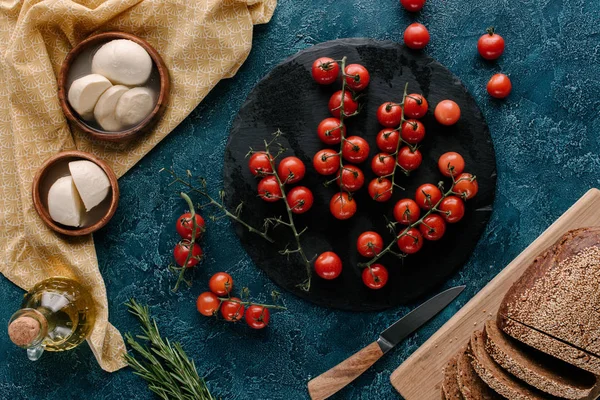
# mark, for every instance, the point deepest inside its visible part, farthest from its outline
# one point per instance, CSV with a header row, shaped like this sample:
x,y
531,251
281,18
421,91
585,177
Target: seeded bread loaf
x,y
535,368
470,384
450,390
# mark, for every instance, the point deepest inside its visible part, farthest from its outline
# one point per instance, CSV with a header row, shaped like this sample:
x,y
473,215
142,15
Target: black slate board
x,y
288,99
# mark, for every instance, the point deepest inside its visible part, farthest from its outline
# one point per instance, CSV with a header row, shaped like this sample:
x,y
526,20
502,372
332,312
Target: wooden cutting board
x,y
420,376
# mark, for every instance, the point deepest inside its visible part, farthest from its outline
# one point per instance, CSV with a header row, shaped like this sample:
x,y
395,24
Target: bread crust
x,y
470,384
450,389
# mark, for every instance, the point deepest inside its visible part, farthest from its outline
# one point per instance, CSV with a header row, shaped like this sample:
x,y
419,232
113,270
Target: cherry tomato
x,y
269,190
433,227
325,70
411,241
406,212
413,131
291,170
451,164
328,265
257,317
355,149
352,178
330,132
181,251
413,5
232,310
380,189
208,304
259,164
342,206
490,45
452,209
220,283
447,112
369,244
387,140
466,185
184,226
408,159
427,196
375,277
358,78
383,164
389,114
416,36
499,86
350,105
326,162
415,106
300,199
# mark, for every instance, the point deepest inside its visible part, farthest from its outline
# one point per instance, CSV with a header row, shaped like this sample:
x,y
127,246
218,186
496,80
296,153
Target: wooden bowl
x,y
57,166
120,136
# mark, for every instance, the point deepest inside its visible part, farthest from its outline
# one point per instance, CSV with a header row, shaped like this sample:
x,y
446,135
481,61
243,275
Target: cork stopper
x,y
24,330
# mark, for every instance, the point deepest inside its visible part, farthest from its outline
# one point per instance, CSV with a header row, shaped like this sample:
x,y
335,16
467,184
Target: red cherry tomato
x,y
380,189
352,178
466,185
342,206
416,36
499,86
411,241
269,190
184,226
232,310
350,105
452,209
330,132
291,170
357,77
415,106
389,114
427,196
433,227
447,112
409,159
257,317
413,5
208,304
369,244
328,265
181,251
300,199
413,131
490,45
325,70
387,140
451,164
326,162
259,164
355,149
220,283
383,164
406,212
375,277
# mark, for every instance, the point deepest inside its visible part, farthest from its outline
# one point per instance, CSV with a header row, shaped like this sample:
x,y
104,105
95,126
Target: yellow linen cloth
x,y
201,42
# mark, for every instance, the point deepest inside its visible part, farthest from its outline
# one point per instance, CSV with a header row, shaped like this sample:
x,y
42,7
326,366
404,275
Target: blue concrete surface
x,y
546,138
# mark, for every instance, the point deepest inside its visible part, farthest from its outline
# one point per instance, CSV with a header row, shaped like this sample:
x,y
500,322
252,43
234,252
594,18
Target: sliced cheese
x,y
104,112
134,105
64,204
123,62
91,182
85,92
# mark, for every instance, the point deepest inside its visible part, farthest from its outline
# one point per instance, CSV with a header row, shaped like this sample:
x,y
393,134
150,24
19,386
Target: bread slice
x,y
535,368
559,294
450,389
470,384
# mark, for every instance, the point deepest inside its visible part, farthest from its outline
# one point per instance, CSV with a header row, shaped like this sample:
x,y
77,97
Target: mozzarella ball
x,y
134,105
85,92
104,112
64,204
123,62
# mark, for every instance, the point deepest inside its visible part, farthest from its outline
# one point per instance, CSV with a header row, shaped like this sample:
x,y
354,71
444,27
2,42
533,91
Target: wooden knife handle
x,y
336,378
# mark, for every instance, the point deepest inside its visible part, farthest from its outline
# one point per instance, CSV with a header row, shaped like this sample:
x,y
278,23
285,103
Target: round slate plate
x,y
289,100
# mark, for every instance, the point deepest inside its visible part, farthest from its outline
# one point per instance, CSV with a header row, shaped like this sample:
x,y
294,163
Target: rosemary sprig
x,y
165,366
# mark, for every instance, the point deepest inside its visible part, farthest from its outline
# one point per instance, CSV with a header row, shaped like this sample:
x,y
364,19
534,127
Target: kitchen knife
x,y
336,378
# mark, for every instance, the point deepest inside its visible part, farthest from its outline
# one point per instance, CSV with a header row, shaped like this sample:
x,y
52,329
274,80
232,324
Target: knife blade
x,y
330,382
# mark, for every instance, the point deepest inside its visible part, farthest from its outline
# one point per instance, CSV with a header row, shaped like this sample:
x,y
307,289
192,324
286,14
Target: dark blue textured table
x,y
547,145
